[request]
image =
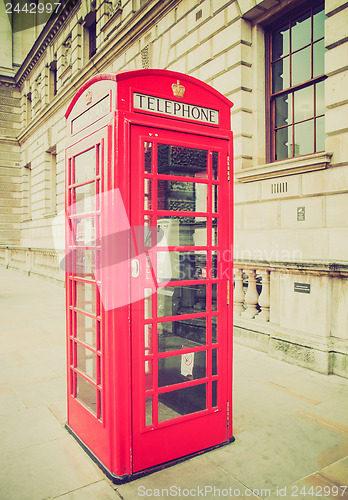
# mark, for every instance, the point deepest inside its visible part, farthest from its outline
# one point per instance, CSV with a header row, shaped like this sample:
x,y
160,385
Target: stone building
x,y
284,64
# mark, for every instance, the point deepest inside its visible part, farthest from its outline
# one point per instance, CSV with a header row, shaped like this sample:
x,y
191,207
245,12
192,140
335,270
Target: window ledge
x,y
291,166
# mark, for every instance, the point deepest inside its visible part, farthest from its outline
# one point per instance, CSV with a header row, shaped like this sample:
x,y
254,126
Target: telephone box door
x,y
180,197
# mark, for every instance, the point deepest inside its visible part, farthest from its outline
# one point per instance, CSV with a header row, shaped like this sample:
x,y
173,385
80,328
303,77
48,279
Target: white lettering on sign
x,y
177,109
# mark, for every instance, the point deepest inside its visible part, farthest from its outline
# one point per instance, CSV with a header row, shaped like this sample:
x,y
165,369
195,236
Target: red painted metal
x,y
110,377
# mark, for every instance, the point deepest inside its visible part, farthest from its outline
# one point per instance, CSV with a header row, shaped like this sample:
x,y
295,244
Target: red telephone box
x,y
148,263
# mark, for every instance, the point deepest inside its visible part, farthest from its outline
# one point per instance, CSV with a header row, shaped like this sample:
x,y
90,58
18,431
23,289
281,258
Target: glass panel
x,y
281,75
86,329
283,140
280,42
183,231
86,361
184,368
149,232
214,368
304,138
85,164
84,263
320,134
303,104
85,198
214,329
148,156
214,298
178,160
318,58
214,202
148,339
147,194
214,263
214,393
320,98
100,416
214,236
181,265
301,66
283,110
301,32
148,303
215,164
148,374
175,335
181,402
182,196
172,301
86,297
85,232
86,393
148,411
318,22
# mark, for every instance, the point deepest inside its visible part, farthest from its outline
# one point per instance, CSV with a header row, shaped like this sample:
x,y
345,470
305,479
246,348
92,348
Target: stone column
x,y
264,299
238,295
251,296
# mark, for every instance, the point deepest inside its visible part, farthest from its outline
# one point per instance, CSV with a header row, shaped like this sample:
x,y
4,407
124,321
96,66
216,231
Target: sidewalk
x,y
290,424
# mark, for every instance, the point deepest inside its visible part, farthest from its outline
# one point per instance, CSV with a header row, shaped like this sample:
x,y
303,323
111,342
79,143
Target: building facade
x,y
284,64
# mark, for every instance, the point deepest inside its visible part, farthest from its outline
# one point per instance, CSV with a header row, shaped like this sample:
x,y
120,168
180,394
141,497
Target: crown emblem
x,y
178,90
88,97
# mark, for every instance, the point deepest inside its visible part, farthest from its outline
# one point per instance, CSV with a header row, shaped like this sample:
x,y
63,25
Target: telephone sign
x,y
148,228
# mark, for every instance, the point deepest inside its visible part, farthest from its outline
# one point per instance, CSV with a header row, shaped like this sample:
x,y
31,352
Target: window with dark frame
x,y
91,27
296,76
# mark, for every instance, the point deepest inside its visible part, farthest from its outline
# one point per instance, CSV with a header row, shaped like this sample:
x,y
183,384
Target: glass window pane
x,y
85,297
214,297
184,368
181,402
178,160
86,362
85,198
86,329
214,329
215,198
301,66
215,164
86,393
182,196
318,58
172,301
84,263
283,110
148,339
214,393
84,231
214,232
182,231
147,194
214,367
320,134
85,166
280,42
148,411
175,335
148,156
283,143
304,104
301,32
280,75
180,265
318,22
304,138
147,303
320,98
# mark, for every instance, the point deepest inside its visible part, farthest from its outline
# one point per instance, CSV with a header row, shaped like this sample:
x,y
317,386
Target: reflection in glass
x,y
318,58
147,194
301,66
214,298
320,98
281,75
215,198
303,104
283,146
183,231
214,393
86,329
172,301
304,138
85,198
181,402
283,110
84,264
215,164
178,160
148,411
175,335
301,32
85,164
86,361
320,134
280,42
85,232
180,265
148,156
214,367
214,241
214,329
86,393
182,368
147,303
85,297
148,339
318,22
181,196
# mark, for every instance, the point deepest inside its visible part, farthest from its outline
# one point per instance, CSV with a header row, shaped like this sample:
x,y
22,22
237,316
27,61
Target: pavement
x,y
290,424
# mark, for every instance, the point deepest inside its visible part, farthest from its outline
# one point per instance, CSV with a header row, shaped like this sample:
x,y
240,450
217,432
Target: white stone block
x,y
336,119
336,28
336,89
314,213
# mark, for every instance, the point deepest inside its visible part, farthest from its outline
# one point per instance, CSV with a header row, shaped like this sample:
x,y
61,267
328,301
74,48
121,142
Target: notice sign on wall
x,y
187,361
143,102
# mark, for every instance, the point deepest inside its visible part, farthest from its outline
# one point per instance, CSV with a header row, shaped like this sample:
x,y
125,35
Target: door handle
x,y
135,268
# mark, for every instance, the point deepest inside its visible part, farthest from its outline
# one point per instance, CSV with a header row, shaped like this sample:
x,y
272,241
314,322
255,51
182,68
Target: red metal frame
x,y
119,439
